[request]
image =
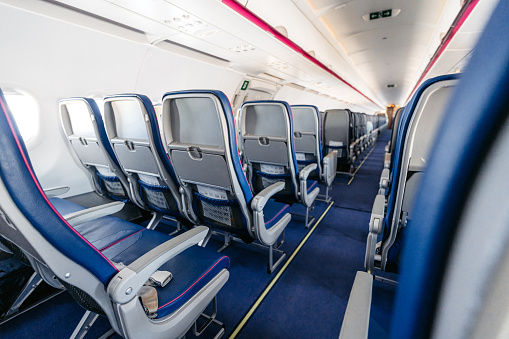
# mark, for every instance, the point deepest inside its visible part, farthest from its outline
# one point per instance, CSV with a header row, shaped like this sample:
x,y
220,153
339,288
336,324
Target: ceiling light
x,y
206,33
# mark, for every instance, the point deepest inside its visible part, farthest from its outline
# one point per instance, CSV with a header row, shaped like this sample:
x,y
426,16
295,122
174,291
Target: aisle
x,y
310,298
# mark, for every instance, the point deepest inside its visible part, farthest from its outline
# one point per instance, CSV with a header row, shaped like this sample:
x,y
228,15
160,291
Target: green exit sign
x,y
244,85
381,14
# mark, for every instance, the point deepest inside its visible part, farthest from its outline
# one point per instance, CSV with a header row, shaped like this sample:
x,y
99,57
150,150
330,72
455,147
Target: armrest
x,y
330,163
387,160
356,320
56,191
306,171
125,285
92,213
377,215
384,178
259,201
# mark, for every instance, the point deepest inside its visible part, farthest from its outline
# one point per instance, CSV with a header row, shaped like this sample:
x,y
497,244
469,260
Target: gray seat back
x,y
133,131
199,135
307,135
267,143
83,126
337,132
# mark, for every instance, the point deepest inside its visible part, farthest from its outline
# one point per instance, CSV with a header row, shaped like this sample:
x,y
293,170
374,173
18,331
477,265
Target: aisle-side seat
x,y
269,149
308,135
106,264
418,127
83,126
454,273
199,135
133,130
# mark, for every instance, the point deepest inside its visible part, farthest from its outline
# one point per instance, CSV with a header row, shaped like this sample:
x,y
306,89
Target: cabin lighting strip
x,y
247,14
462,16
262,296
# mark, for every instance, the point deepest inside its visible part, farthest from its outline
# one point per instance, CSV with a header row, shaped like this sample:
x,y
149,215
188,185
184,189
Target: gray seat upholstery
x,y
269,151
338,135
308,148
133,130
83,126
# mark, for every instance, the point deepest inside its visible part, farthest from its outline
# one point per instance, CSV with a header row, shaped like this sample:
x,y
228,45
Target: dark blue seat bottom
x,y
123,242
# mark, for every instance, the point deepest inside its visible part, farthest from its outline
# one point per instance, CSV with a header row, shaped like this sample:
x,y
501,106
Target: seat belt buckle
x,y
161,278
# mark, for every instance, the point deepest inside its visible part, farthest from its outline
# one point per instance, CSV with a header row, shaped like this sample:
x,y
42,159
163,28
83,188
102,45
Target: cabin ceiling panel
x,y
367,54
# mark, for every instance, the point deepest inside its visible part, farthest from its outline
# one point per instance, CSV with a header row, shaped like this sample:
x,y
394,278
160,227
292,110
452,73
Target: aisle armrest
x,y
356,320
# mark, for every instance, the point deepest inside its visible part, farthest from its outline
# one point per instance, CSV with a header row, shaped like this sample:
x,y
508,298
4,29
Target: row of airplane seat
x,y
186,165
111,266
440,220
415,130
350,134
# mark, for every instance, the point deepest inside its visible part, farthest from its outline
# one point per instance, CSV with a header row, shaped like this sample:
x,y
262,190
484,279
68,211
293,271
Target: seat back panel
x,y
209,169
138,159
89,153
275,152
305,143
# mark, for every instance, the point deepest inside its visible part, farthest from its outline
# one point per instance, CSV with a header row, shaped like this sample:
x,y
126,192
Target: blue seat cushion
x,y
273,212
312,184
124,242
191,269
100,232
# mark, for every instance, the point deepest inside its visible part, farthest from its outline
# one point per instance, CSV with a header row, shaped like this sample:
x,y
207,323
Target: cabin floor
x,y
305,297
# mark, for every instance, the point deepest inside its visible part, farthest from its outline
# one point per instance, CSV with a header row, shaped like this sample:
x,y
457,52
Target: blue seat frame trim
x,y
20,181
480,105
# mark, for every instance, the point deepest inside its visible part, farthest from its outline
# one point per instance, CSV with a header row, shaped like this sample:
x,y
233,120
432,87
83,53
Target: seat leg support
x,y
156,218
309,221
227,242
271,266
29,287
84,325
209,320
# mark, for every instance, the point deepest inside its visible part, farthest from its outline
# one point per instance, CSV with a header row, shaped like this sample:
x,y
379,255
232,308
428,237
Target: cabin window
x,y
25,110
